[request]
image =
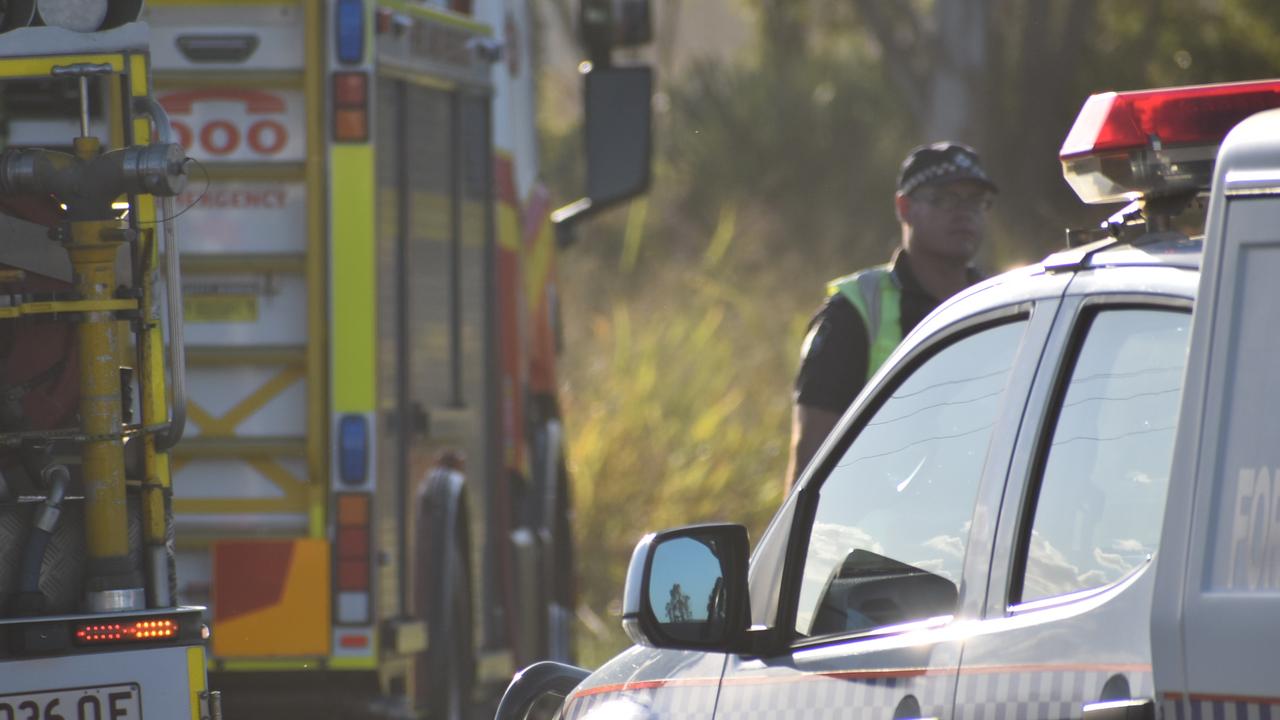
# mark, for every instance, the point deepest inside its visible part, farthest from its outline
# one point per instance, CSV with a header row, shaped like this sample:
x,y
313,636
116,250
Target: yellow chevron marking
x,y
297,494
200,417
226,425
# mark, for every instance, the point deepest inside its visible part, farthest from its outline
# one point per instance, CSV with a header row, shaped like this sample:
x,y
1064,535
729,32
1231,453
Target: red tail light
x,y
351,107
353,542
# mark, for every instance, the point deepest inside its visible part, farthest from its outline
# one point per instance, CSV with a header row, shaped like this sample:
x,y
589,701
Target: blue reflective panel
x,y
353,449
349,25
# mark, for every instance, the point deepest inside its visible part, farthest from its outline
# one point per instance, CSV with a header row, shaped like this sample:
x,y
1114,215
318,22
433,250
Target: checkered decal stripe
x,y
840,695
1033,695
981,694
1219,709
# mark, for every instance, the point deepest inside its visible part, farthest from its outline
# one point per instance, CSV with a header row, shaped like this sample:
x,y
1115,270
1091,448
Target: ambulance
x,y
371,497
1057,499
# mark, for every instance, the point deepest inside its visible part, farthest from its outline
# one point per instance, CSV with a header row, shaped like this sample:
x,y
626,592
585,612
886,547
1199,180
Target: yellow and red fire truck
x,y
89,622
371,497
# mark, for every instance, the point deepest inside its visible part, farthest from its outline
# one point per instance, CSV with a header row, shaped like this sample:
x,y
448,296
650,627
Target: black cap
x,y
941,162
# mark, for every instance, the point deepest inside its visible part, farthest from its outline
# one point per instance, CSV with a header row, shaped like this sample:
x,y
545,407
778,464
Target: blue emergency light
x,y
349,27
353,449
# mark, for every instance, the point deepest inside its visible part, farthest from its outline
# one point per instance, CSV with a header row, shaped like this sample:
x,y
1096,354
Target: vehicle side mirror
x,y
618,135
618,132
687,589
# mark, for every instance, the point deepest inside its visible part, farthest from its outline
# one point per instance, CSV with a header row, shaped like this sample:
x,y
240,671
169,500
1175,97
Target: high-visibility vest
x,y
875,294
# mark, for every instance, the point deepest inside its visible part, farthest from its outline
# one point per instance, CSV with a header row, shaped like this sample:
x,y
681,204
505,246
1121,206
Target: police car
x,y
979,536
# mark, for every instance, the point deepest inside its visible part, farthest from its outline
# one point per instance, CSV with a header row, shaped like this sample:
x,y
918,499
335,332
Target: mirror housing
x,y
618,137
606,24
708,561
536,686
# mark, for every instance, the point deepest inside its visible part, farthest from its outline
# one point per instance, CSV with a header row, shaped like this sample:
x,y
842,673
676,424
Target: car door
x,y
1066,621
1215,637
864,573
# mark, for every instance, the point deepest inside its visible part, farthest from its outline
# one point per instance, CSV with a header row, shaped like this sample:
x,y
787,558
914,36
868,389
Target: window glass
x,y
1102,491
888,539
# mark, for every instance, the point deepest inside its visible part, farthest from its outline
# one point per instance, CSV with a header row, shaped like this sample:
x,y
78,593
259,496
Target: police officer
x,y
942,200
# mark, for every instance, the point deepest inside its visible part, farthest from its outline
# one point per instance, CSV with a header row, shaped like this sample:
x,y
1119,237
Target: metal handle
x,y
82,71
177,340
173,292
1135,709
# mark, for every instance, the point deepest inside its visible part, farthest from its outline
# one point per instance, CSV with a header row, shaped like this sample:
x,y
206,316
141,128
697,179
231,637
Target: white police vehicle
x,y
978,538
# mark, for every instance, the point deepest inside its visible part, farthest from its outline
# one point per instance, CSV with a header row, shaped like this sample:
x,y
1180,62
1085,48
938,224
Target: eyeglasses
x,y
944,200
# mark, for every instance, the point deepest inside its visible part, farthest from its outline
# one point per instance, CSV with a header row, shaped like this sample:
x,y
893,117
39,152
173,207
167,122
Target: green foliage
x,y
673,412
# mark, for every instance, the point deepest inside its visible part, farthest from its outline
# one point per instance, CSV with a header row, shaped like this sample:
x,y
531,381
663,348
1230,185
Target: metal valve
x,y
88,187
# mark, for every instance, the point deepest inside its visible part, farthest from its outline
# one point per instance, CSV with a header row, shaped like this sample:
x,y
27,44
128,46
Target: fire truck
x,y
372,497
90,626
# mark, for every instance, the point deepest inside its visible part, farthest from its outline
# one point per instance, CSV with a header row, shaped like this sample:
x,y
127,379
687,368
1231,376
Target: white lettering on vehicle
x,y
1255,532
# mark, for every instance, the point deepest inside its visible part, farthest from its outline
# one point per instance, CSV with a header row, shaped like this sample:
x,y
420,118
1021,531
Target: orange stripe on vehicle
x,y
504,179
1198,697
1062,667
508,205
645,685
539,279
509,332
297,623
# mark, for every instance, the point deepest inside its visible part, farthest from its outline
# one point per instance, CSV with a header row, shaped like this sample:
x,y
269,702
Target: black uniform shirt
x,y
836,351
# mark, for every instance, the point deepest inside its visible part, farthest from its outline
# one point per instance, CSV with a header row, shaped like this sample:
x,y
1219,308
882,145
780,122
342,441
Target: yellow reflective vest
x,y
875,294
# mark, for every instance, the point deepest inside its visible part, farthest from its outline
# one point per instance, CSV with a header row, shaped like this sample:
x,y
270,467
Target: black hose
x,y
29,600
32,559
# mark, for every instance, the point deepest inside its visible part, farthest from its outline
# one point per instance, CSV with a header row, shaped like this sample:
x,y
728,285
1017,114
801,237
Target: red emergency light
x,y
131,631
1126,145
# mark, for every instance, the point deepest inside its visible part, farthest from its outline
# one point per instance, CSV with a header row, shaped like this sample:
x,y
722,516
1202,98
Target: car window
x,y
892,519
1100,501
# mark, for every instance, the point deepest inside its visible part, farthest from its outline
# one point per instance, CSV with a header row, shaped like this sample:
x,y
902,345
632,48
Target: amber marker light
x,y
134,631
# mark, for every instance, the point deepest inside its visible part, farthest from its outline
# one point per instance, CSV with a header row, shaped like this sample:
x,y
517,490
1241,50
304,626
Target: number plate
x,y
106,702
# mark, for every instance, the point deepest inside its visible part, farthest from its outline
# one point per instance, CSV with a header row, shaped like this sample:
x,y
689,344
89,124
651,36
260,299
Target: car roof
x,y
1144,261
1163,249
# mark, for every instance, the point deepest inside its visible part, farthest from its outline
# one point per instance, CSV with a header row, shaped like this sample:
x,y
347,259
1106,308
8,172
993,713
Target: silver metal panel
x,y
231,479
418,44
242,217
276,30
25,42
161,674
218,390
249,309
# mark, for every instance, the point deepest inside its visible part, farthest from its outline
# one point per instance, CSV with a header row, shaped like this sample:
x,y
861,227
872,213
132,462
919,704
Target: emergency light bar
x,y
1148,143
